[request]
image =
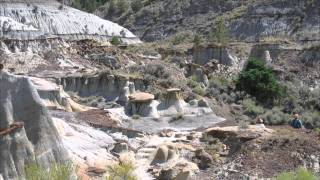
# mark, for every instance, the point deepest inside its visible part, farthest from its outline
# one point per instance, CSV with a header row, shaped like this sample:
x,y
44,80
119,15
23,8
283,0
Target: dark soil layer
x,y
266,157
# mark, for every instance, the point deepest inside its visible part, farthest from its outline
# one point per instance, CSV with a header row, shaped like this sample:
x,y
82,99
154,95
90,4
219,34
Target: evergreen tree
x,y
259,81
219,33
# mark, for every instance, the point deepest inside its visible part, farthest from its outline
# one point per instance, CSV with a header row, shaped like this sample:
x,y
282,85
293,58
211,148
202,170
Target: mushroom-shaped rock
x,y
142,104
172,102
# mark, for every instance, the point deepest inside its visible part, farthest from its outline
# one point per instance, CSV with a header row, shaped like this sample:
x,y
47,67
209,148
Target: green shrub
x,y
55,172
157,70
115,41
259,81
178,39
136,116
251,108
243,124
177,117
199,90
136,5
275,117
121,171
299,174
197,40
219,82
122,6
311,118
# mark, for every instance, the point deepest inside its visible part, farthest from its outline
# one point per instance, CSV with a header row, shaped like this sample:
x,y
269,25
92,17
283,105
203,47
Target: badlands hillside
x,y
177,90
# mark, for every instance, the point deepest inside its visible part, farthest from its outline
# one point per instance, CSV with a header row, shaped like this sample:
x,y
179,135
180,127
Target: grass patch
x,y
299,174
55,172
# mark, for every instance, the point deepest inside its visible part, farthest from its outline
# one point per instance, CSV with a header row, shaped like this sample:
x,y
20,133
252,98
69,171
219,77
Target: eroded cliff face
x,y
111,87
246,20
37,140
30,20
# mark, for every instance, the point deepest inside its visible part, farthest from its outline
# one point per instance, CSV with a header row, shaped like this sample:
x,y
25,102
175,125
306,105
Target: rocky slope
x,y
247,20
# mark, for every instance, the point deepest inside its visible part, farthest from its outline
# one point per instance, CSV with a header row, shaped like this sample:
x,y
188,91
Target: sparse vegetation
x,y
55,172
299,174
122,170
275,117
115,41
87,5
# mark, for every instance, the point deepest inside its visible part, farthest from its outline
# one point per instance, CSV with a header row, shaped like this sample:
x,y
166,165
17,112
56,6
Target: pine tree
x,y
219,33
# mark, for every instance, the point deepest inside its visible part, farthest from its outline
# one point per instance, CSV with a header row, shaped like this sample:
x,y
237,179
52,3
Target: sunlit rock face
x,y
42,19
37,140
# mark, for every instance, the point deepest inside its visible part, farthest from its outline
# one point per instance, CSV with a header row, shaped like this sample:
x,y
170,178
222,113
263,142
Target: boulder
x,y
163,154
37,140
178,170
203,103
205,159
120,147
252,132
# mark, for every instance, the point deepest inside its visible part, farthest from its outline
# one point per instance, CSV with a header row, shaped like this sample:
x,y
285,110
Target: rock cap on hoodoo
x,y
173,90
141,97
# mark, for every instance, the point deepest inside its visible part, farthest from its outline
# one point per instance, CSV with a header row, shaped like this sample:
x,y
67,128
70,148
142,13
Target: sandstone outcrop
x,y
38,140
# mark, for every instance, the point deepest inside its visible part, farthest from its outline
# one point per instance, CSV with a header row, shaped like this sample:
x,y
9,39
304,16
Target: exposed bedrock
x,y
269,52
54,97
35,138
111,87
203,55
